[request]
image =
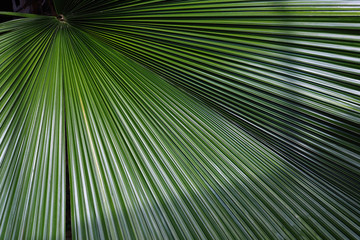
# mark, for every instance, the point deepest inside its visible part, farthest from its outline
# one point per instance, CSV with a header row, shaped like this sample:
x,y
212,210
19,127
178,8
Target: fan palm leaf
x,y
181,120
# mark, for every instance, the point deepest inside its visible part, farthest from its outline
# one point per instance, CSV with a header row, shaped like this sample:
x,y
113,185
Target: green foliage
x,y
182,120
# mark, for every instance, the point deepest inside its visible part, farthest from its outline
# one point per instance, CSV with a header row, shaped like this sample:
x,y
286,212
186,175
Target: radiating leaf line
x,y
265,147
31,164
258,69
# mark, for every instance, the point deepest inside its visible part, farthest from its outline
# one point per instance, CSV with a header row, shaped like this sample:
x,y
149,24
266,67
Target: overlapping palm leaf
x,y
287,69
266,147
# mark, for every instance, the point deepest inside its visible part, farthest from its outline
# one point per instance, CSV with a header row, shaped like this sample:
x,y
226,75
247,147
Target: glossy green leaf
x,y
32,141
287,70
181,120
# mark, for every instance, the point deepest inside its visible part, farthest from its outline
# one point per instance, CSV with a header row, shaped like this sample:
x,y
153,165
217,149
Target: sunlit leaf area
x,y
181,119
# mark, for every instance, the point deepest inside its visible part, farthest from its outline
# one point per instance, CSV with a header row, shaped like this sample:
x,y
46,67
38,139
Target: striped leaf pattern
x,y
288,70
182,120
32,153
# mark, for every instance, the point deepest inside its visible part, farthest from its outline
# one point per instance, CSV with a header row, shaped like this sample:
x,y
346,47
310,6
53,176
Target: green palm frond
x,y
181,120
32,140
288,70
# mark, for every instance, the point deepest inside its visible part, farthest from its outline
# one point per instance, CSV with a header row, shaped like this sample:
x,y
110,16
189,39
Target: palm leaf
x,y
32,159
287,70
149,161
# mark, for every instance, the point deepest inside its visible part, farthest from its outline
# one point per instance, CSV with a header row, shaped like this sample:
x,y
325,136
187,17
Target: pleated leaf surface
x,y
287,70
181,120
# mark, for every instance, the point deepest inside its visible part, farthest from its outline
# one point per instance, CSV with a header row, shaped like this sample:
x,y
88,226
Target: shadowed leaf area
x,y
181,120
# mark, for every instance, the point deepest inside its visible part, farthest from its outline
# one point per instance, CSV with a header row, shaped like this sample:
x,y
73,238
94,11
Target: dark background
x,y
6,5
